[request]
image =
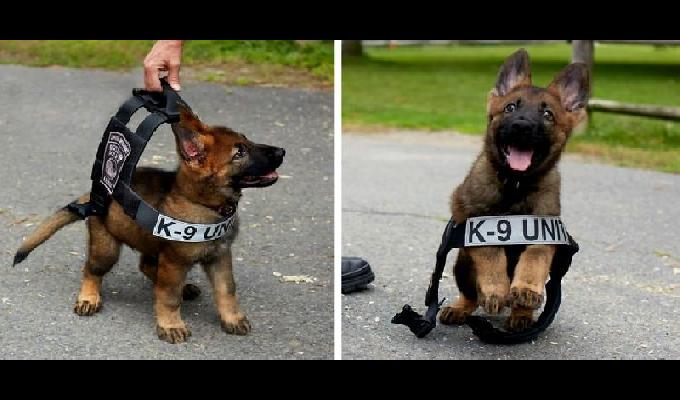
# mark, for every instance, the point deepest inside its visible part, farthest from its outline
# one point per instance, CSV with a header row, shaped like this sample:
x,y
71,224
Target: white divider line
x,y
337,123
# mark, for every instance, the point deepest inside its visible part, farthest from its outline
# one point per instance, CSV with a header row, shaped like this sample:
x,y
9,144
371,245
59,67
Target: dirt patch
x,y
665,161
244,74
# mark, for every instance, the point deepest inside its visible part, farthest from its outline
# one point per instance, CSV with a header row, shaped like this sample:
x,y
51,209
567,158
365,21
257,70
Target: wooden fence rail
x,y
654,111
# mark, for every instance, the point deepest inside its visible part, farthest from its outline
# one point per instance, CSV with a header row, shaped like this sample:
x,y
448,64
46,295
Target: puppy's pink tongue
x,y
519,160
272,174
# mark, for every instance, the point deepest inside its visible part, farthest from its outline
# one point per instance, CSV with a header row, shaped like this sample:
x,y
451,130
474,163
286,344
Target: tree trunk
x,y
584,51
352,48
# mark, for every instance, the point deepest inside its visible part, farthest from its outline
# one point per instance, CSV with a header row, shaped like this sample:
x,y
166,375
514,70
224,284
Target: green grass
x,y
445,88
316,57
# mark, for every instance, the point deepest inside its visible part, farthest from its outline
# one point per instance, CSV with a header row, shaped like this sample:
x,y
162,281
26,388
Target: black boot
x,y
356,274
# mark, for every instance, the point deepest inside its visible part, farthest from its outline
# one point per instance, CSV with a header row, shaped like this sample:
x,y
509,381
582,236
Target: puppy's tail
x,y
46,229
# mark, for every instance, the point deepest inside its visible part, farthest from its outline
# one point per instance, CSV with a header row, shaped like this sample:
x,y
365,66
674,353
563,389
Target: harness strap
x,y
454,237
128,108
117,156
146,129
486,332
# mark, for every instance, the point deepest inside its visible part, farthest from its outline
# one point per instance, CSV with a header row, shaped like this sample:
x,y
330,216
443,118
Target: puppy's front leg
x,y
531,273
526,291
224,290
493,283
168,298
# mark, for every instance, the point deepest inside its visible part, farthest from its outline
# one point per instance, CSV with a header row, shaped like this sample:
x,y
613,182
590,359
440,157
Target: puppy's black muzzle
x,y
523,132
261,172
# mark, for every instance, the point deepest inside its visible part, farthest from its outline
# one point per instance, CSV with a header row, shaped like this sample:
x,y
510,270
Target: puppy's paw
x,y
525,297
236,324
451,315
87,306
190,292
174,334
518,323
492,303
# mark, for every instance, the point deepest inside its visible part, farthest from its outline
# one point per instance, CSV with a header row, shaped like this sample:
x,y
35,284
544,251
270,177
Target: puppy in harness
x,y
174,219
506,212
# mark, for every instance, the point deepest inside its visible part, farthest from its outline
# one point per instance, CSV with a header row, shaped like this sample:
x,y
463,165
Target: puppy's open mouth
x,y
259,181
518,159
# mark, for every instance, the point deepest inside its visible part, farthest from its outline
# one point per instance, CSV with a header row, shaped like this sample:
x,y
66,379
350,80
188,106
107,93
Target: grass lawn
x,y
445,88
242,62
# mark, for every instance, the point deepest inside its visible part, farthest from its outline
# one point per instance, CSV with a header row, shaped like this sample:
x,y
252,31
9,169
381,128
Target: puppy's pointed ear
x,y
190,136
515,73
572,85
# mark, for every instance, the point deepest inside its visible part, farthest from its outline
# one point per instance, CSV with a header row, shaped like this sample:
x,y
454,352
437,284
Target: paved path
x,y
51,121
621,295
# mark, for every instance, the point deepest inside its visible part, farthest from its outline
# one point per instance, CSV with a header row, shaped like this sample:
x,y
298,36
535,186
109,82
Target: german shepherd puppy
x,y
516,173
215,164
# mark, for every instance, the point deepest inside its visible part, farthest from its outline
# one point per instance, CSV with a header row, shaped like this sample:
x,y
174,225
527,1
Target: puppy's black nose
x,y
521,125
276,156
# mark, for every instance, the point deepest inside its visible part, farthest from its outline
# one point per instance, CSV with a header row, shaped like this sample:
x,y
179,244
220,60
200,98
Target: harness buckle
x,y
83,210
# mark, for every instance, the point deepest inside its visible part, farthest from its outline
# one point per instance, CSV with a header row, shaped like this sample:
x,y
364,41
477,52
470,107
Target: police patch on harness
x,y
116,152
515,229
172,229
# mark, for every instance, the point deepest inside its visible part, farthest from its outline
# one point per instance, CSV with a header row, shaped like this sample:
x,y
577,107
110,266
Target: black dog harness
x,y
117,158
497,231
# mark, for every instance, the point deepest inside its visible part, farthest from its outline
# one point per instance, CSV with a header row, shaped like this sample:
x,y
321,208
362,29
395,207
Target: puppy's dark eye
x,y
510,107
548,115
240,151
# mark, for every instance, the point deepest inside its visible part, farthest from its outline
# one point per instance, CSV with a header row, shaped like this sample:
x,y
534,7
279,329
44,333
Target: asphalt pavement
x,y
51,121
621,297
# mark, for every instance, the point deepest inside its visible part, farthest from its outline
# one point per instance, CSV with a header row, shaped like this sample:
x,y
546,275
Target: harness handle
x,y
165,102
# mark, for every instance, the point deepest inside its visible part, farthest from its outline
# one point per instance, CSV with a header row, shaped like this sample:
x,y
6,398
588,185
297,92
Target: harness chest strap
x,y
117,156
497,231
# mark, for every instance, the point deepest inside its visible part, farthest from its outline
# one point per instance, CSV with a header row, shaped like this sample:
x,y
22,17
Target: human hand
x,y
165,55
